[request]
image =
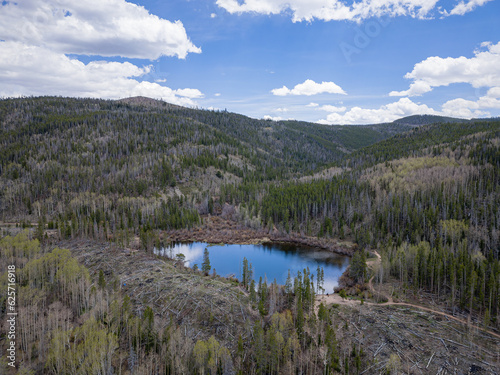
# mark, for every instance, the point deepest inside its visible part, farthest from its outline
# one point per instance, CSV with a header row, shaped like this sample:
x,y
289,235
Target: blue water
x,y
268,260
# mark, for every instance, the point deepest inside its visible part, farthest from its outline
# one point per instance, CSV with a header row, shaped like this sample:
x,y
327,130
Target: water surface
x,y
268,260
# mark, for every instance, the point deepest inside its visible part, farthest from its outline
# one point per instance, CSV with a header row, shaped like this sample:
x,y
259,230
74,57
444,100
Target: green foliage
x,y
357,269
322,312
20,246
247,276
205,266
86,350
102,281
211,358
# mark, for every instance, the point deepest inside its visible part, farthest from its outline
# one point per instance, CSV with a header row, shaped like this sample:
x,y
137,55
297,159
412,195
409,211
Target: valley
x,y
90,189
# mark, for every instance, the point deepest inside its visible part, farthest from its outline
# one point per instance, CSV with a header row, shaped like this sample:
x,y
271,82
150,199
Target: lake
x,y
268,260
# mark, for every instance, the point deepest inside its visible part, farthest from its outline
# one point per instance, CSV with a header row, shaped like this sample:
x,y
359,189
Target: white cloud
x,y
308,88
386,113
328,10
93,27
29,70
331,108
189,93
312,105
267,117
494,92
217,94
281,109
469,108
416,89
463,108
482,70
458,108
465,7
213,15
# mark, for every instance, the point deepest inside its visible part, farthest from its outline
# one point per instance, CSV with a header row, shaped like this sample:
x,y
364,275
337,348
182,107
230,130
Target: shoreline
x,y
218,230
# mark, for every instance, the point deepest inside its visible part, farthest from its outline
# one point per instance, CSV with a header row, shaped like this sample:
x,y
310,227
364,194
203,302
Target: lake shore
x,y
216,229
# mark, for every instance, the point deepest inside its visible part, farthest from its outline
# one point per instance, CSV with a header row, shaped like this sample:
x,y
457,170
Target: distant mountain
x,y
148,102
418,120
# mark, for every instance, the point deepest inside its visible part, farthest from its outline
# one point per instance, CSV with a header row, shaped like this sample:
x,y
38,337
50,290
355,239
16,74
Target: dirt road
x,y
336,299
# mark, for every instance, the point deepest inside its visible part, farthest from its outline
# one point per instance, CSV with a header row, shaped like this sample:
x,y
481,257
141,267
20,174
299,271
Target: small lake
x,y
268,260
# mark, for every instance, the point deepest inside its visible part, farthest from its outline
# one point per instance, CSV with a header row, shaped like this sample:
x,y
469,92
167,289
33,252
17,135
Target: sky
x,y
324,61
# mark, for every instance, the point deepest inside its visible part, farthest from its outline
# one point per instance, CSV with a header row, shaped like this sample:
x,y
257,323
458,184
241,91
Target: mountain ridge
x,y
412,120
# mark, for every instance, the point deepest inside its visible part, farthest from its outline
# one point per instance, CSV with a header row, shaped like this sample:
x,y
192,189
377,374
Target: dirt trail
x,y
335,298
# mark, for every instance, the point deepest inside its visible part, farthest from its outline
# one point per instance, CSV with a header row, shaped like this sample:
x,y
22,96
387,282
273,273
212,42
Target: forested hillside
x,y
92,167
112,179
428,200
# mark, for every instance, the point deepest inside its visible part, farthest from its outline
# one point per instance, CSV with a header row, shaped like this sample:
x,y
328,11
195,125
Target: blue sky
x,y
325,61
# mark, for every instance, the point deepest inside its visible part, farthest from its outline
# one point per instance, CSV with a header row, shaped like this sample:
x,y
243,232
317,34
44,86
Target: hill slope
x,y
418,120
59,152
132,173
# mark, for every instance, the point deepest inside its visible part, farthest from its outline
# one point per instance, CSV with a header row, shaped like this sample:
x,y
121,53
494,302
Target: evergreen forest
x,y
87,185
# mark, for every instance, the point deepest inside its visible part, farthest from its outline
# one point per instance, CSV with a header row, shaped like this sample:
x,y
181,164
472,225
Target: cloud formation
x,y
482,70
271,118
36,38
29,70
469,108
330,10
386,113
465,7
458,108
93,27
308,88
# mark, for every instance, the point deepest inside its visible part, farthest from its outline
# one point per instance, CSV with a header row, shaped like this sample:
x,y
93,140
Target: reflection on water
x,y
268,260
192,252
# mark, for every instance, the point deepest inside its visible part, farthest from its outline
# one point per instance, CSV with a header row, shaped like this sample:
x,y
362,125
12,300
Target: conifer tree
x,y
205,266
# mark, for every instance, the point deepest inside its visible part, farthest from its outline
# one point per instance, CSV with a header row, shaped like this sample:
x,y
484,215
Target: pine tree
x,y
102,281
205,266
358,266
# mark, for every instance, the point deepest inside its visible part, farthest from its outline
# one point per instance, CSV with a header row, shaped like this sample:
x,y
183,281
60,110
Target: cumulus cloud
x,y
36,38
463,108
271,118
312,104
386,113
93,27
328,10
469,108
494,92
308,88
30,70
459,108
482,70
416,89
